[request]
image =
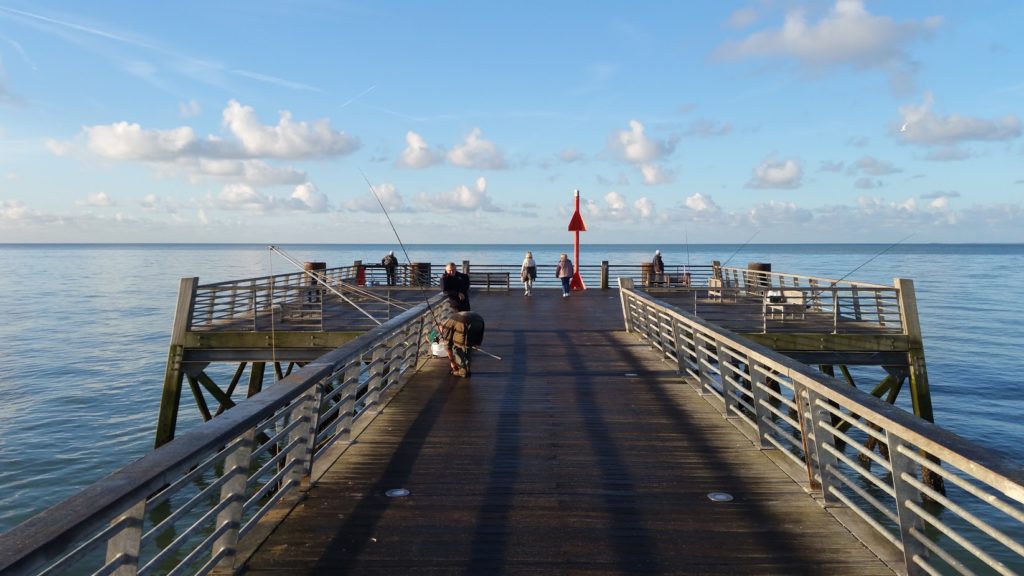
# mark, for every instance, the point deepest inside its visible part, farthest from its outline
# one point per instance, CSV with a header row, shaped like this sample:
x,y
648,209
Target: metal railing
x,y
863,455
245,300
184,507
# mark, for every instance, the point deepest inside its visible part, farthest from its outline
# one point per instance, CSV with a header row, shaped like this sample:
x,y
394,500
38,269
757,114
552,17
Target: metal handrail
x,y
183,507
787,406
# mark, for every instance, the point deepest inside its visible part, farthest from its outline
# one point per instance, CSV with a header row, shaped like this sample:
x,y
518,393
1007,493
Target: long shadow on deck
x,y
581,452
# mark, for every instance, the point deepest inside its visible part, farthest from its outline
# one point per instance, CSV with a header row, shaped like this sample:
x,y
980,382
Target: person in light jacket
x,y
528,272
564,272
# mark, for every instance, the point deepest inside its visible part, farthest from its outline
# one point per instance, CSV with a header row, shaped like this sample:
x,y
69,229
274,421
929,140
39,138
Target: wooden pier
x,y
580,452
690,425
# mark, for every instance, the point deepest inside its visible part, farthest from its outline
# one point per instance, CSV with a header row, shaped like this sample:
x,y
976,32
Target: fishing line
x,y
320,281
741,247
408,261
889,247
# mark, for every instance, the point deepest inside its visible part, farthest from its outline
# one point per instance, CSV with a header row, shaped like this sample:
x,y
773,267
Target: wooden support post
x,y
920,394
167,421
604,274
256,378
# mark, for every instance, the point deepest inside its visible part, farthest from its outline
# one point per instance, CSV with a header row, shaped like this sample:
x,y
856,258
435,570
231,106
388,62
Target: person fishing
x,y
657,268
390,264
455,285
461,332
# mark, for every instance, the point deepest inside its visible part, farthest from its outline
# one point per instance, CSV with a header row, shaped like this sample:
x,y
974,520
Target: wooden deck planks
x,y
579,453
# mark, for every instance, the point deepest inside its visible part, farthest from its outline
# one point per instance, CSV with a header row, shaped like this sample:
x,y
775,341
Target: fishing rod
x,y
741,247
319,280
368,294
409,260
866,262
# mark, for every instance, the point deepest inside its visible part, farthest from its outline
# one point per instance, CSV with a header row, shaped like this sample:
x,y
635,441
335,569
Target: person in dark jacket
x,y
455,285
657,269
390,264
461,332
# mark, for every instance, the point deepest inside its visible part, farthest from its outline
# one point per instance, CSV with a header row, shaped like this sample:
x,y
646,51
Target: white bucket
x,y
438,349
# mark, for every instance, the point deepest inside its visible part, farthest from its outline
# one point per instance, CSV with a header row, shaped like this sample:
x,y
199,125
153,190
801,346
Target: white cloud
x,y
124,141
644,208
865,183
307,198
701,203
635,147
769,174
99,199
154,203
288,139
874,167
58,148
615,207
417,153
241,197
777,214
252,172
477,153
919,126
655,174
189,109
462,199
17,212
848,35
389,197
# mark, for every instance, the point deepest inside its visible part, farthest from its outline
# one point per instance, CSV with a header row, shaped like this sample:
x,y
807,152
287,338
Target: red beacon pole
x,y
577,225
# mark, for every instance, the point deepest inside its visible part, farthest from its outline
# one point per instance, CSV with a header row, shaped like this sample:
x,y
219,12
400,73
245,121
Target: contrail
x,y
358,96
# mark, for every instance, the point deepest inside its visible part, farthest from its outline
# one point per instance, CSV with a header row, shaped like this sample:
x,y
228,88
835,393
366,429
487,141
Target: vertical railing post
x,y
903,468
625,294
835,310
307,409
682,350
703,360
729,389
378,361
124,546
230,518
604,274
855,294
762,415
810,404
347,401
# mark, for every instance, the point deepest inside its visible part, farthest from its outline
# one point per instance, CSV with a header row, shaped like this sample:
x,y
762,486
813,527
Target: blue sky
x,y
257,121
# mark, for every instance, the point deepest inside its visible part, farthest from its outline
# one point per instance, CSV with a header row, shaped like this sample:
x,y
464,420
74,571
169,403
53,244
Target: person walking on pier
x,y
455,285
390,264
564,272
528,272
657,268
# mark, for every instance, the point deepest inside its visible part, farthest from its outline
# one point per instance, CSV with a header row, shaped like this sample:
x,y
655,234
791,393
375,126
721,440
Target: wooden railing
x,y
184,507
861,455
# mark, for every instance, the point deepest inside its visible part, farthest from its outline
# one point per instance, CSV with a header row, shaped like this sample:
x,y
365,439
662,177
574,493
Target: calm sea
x,y
85,330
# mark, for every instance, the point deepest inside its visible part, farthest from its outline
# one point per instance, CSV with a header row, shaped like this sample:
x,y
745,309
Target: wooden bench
x,y
489,280
784,302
